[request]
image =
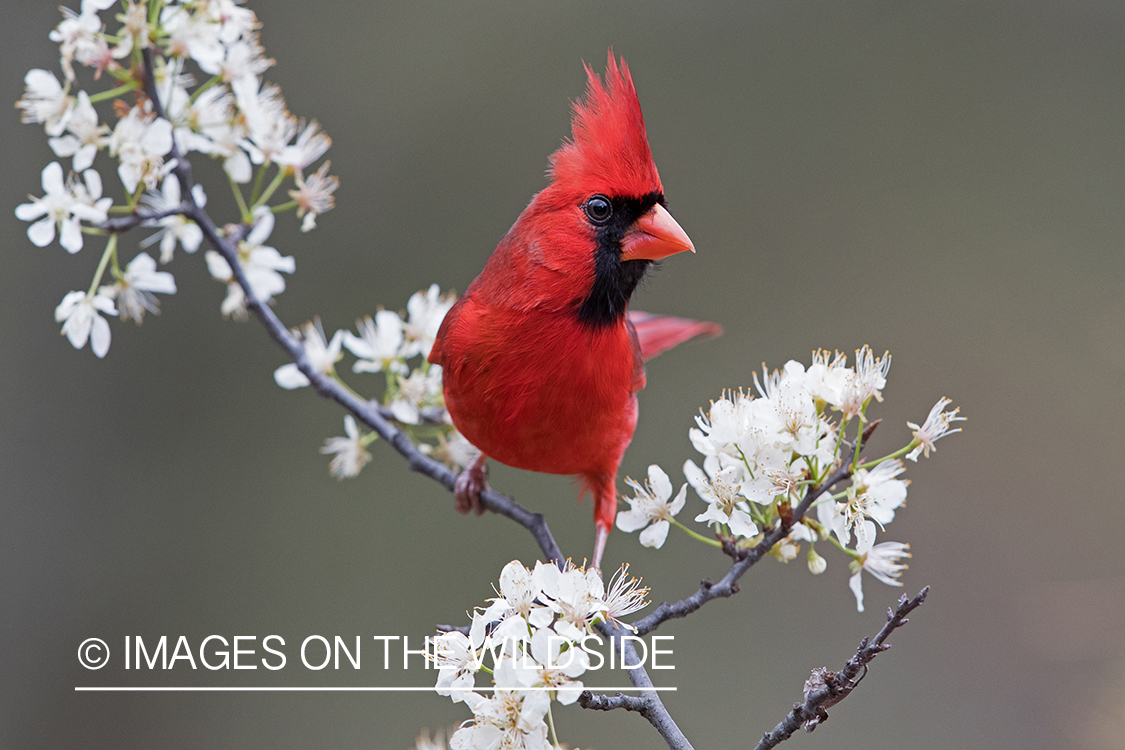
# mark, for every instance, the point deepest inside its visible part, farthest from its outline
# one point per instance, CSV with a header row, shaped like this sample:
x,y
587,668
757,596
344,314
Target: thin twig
x,y
825,689
744,560
647,703
122,224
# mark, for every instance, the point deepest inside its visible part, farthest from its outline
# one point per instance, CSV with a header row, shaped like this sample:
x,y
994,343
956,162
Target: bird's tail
x,y
659,333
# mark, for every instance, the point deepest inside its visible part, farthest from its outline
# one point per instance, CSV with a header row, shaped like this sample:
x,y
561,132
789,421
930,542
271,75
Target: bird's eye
x,y
599,209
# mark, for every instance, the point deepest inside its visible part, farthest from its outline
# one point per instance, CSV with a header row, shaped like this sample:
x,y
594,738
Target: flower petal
x,y
52,177
71,235
42,233
632,520
659,482
856,585
655,535
99,337
30,211
290,377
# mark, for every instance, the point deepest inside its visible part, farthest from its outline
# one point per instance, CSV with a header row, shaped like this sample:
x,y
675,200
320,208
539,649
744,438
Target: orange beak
x,y
654,236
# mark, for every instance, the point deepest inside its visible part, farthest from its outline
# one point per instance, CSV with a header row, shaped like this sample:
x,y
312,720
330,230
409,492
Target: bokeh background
x,y
943,180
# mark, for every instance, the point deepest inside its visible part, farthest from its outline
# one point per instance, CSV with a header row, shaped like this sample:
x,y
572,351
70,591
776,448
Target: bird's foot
x,y
469,484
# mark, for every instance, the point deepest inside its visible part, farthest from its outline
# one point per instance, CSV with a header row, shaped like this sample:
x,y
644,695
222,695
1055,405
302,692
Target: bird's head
x,y
603,215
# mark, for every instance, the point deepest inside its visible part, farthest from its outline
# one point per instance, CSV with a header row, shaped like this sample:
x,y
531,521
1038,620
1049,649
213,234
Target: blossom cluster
x,y
762,453
534,633
203,64
396,345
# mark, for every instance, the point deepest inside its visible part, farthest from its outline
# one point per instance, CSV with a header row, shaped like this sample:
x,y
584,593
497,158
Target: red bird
x,y
540,362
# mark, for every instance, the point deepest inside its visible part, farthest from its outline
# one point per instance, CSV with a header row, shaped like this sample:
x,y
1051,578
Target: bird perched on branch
x,y
540,361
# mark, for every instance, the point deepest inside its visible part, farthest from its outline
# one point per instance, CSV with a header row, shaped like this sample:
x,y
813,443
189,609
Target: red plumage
x,y
659,333
540,364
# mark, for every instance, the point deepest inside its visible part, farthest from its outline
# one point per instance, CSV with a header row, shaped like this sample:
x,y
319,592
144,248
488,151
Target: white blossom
x,y
84,135
455,657
140,141
379,344
421,389
724,503
458,450
243,60
880,560
321,354
45,101
135,28
533,631
226,140
209,125
134,291
722,427
78,312
867,381
63,207
351,453
314,195
746,434
193,35
577,596
773,474
174,227
453,449
263,266
510,719
787,548
311,144
652,503
93,6
625,595
521,595
557,668
80,38
871,500
803,429
425,742
934,428
237,22
826,379
269,126
425,311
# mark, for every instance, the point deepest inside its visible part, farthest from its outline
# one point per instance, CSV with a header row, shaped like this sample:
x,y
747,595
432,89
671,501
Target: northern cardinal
x,y
540,361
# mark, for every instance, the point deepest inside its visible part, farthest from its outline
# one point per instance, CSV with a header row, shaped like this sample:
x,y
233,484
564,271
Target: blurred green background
x,y
943,180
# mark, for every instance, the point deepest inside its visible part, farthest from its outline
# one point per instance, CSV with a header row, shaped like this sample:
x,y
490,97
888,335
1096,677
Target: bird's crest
x,y
608,149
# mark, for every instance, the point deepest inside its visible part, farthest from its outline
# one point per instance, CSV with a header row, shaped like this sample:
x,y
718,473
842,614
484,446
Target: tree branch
x,y
122,224
825,689
648,703
744,560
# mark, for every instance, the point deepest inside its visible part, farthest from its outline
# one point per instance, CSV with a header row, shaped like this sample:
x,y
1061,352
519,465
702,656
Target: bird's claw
x,y
469,484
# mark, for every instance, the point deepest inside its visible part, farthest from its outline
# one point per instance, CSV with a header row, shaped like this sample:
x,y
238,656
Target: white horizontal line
x,y
134,688
313,689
